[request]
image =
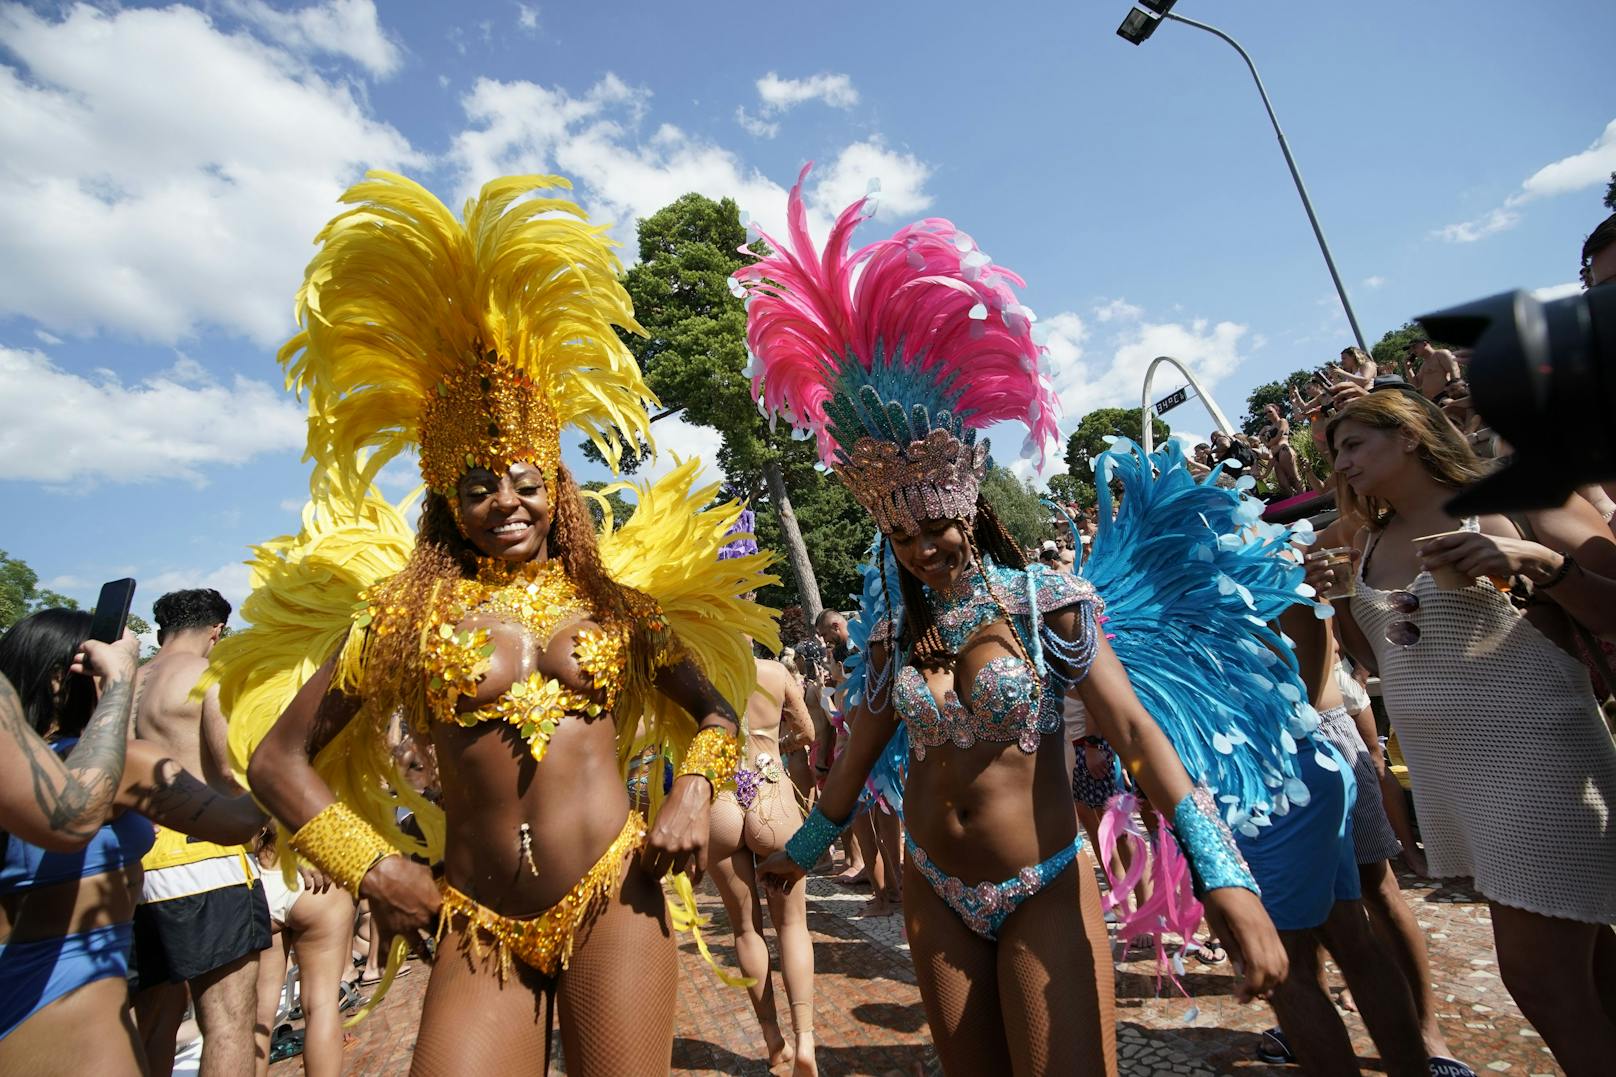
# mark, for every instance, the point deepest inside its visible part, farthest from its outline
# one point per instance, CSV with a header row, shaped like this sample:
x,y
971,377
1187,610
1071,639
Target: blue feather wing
x,y
891,770
1193,581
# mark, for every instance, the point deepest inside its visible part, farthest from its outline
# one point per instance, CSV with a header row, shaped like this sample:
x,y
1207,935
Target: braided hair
x,y
920,639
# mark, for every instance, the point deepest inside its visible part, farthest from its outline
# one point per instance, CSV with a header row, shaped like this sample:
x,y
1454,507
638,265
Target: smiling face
x,y
937,554
1371,458
505,516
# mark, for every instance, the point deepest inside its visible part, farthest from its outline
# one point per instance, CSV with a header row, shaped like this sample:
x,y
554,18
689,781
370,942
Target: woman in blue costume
x,y
894,368
66,918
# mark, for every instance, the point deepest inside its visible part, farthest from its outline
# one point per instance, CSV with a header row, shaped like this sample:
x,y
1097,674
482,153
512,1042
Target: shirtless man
x,y
1438,375
202,917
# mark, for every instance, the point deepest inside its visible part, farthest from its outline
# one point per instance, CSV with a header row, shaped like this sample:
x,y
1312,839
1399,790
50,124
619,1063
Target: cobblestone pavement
x,y
868,1017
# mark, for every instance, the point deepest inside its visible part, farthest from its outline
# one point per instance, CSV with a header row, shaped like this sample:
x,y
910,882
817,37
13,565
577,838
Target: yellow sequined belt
x,y
543,941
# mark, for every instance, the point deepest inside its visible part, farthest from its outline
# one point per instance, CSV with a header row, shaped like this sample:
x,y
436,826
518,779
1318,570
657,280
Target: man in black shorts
x,y
202,917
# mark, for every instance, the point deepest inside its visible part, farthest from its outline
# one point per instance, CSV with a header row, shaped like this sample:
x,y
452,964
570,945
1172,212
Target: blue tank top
x,y
116,845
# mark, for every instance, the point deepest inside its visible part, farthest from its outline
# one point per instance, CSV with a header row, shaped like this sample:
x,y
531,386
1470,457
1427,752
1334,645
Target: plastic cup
x,y
1338,559
1446,577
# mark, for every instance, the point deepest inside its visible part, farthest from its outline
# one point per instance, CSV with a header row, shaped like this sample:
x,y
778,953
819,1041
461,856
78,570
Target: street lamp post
x,y
1137,28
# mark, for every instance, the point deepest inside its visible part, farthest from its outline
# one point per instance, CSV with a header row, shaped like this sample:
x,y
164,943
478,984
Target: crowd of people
x,y
531,740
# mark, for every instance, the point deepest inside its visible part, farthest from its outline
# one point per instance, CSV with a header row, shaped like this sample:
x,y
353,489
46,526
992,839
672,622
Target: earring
x,y
527,849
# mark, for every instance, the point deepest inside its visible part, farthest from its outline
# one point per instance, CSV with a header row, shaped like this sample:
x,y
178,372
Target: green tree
x,y
1274,392
1017,505
1610,194
1067,488
622,509
1088,440
693,356
20,593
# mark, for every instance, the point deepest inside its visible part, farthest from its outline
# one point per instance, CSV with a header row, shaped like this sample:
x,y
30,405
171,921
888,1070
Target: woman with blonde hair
x,y
1468,623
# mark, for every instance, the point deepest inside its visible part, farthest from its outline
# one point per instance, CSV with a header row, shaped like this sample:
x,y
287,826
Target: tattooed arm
x,y
56,804
155,785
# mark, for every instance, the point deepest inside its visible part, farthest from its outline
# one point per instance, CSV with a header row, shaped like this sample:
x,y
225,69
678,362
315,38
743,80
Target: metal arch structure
x,y
1146,412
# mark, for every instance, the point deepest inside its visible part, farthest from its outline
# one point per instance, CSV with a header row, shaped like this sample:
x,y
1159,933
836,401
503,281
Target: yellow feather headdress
x,y
475,340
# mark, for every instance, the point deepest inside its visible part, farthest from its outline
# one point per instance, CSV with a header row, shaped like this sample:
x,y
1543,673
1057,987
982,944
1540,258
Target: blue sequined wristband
x,y
1208,844
809,843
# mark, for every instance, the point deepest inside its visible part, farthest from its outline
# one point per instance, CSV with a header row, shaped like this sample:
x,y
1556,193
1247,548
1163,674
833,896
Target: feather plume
x,y
402,297
909,334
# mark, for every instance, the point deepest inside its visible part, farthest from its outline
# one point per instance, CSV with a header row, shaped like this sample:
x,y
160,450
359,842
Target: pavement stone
x,y
868,1018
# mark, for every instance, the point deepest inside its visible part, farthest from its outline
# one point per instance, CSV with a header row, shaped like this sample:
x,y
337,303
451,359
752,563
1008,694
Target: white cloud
x,y
678,437
233,581
337,28
778,94
1490,223
49,339
1086,374
292,505
175,173
1557,291
1374,282
57,427
902,179
527,18
756,126
1114,310
593,139
1577,172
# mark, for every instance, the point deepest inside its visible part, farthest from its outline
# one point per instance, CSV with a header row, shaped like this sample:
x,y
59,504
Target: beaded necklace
x,y
536,594
976,599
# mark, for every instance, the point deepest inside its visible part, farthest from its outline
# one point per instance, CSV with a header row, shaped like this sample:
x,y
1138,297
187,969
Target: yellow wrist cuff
x,y
341,844
713,754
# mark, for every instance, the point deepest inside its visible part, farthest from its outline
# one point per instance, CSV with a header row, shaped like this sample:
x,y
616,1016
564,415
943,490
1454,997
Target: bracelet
x,y
714,754
809,843
1567,563
341,844
1208,845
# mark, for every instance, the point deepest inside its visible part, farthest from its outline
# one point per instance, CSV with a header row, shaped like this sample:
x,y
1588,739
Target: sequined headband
x,y
935,478
489,416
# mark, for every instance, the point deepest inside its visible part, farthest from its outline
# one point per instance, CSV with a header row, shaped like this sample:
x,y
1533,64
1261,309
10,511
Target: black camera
x,y
1543,375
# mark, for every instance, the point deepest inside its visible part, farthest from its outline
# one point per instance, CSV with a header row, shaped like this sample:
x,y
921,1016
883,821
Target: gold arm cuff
x,y
341,844
713,754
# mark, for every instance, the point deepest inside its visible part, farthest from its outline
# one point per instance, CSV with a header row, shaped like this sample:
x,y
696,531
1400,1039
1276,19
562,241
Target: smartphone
x,y
112,610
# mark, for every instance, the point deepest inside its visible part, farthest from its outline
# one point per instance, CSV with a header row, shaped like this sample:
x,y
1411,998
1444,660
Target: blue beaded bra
x,y
1006,703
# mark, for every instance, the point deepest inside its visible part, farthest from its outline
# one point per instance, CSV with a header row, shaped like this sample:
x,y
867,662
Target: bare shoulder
x,y
770,674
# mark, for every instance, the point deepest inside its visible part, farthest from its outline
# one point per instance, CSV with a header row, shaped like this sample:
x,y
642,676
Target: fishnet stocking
x,y
616,1000
1040,1001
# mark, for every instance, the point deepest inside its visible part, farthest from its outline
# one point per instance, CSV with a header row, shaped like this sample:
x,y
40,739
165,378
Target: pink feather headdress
x,y
893,357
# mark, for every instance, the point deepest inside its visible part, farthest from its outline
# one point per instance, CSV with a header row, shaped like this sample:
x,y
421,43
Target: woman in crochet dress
x,y
1513,770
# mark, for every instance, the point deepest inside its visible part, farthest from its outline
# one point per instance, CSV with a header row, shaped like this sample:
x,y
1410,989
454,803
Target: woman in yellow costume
x,y
510,638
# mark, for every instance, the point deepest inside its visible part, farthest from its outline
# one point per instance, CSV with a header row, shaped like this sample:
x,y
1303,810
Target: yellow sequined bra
x,y
540,597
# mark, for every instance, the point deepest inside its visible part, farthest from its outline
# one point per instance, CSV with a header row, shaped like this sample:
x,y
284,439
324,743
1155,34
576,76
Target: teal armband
x,y
809,843
1209,845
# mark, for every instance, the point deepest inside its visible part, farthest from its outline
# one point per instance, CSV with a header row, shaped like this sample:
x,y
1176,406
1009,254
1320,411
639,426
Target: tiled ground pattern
x,y
869,1020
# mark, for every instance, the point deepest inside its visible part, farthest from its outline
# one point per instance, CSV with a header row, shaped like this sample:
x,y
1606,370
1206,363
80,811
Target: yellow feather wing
x,y
669,551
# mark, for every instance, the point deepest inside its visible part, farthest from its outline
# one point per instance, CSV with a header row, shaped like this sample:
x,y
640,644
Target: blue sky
x,y
163,169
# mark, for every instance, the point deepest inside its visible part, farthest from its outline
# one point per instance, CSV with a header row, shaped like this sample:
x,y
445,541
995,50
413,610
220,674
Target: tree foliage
x,y
20,593
1610,194
693,355
1088,440
1274,392
1068,488
1017,505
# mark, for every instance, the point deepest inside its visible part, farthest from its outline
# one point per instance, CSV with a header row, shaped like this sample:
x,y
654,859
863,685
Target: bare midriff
x,y
70,907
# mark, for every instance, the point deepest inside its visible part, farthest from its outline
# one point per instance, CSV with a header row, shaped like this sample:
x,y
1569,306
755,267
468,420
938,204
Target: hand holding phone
x,y
112,610
109,661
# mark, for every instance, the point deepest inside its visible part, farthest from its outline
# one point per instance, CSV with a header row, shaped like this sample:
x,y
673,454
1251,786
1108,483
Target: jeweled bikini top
x,y
539,596
1005,703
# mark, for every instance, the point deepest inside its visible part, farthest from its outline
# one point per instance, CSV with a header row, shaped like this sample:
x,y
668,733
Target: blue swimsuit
x,y
35,974
1007,704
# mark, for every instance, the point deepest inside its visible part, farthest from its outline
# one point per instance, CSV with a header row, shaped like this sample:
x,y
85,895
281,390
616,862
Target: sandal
x,y
1211,953
348,997
286,1042
372,981
1443,1066
1274,1048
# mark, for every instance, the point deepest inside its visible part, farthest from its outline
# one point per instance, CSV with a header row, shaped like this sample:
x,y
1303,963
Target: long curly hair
x,y
408,604
920,639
